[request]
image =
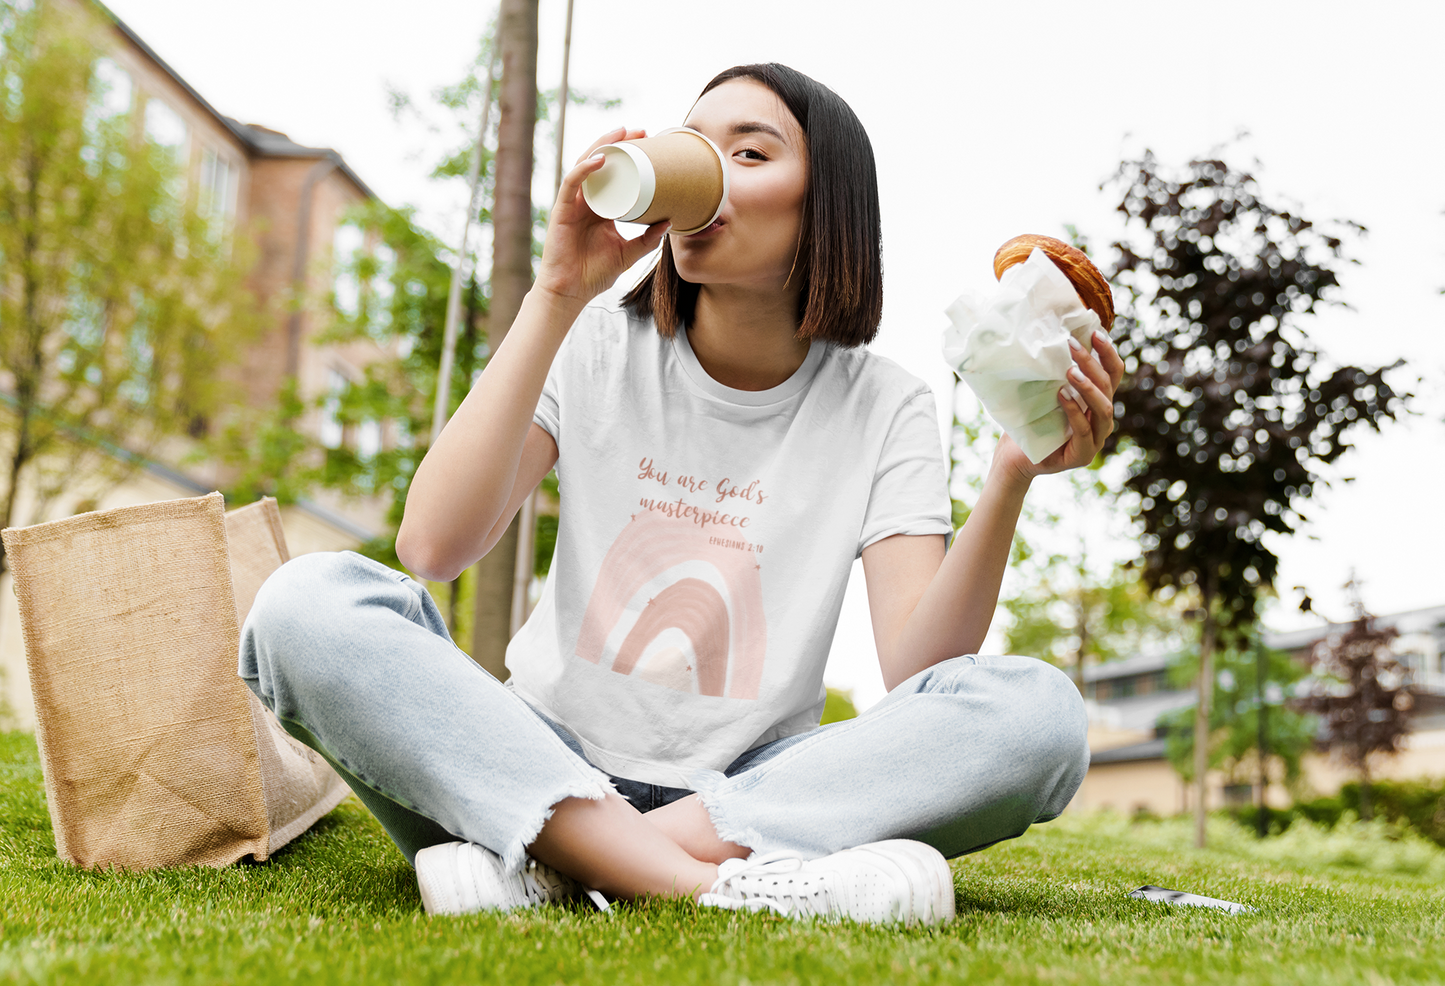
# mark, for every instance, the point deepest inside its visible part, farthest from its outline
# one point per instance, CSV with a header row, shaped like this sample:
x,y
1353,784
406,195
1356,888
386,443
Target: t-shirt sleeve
x,y
549,406
910,484
548,413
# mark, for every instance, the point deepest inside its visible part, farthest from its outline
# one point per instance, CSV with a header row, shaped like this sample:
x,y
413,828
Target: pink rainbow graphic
x,y
722,637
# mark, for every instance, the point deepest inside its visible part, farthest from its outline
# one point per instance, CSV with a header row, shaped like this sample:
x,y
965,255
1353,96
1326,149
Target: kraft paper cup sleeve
x,y
656,178
711,188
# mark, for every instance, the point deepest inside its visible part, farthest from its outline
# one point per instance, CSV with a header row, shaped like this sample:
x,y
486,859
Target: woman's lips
x,y
708,230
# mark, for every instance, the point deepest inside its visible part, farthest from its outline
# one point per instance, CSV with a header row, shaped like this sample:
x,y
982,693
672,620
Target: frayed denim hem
x,y
706,783
594,788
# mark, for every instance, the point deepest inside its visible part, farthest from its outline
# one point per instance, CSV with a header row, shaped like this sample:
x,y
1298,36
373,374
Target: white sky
x,y
988,120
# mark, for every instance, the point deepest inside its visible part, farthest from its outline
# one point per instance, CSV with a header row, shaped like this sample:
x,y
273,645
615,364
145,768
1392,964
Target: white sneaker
x,y
883,882
461,877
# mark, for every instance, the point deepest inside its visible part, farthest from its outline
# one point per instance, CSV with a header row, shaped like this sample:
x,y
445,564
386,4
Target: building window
x,y
112,90
361,279
346,247
332,432
165,128
219,178
1238,795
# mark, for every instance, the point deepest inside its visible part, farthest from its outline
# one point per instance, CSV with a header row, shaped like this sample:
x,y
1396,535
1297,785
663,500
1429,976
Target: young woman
x,y
726,448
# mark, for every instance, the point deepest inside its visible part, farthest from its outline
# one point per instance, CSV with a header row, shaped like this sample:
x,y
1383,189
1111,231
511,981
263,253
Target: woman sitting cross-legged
x,y
726,448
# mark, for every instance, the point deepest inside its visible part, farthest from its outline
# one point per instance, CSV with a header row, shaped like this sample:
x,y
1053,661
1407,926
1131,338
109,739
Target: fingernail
x,y
597,157
1071,393
1075,345
1076,374
1100,335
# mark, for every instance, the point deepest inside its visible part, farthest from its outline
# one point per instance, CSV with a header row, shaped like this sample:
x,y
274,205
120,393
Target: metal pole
x,y
527,519
562,98
1260,674
1201,715
442,408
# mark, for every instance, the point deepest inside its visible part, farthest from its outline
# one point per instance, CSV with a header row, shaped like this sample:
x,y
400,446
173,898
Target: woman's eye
x,y
752,154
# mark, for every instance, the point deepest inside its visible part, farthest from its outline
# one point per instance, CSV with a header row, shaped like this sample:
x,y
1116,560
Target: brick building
x,y
288,198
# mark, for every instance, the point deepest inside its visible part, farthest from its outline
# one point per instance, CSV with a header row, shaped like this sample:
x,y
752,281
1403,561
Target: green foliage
x,y
971,450
839,706
1233,412
1070,617
120,303
1418,804
396,295
400,285
1070,608
403,285
339,905
1377,848
1234,713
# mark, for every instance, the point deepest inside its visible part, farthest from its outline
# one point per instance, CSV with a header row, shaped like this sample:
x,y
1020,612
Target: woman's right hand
x,y
584,254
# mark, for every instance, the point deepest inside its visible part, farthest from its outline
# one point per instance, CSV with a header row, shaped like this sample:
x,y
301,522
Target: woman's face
x,y
754,242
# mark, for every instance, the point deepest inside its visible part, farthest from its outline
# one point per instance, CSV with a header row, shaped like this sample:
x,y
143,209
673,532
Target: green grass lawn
x,y
340,905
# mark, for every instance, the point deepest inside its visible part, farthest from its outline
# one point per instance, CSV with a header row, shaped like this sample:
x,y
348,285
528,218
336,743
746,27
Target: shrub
x,y
1416,805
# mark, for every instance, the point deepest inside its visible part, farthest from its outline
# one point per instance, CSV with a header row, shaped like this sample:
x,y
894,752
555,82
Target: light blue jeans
x,y
355,660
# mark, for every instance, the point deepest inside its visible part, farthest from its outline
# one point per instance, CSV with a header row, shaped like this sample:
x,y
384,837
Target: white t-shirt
x,y
706,537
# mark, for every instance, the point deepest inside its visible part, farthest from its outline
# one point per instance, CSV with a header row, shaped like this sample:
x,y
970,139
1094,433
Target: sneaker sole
x,y
454,880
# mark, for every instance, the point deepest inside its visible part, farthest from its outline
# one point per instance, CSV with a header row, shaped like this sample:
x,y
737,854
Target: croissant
x,y
1093,289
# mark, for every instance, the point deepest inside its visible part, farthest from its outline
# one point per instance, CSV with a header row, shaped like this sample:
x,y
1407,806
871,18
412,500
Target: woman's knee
x,y
300,592
302,608
1061,723
1037,704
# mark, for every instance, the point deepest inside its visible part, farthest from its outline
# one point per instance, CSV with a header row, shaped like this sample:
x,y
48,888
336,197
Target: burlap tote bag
x,y
154,752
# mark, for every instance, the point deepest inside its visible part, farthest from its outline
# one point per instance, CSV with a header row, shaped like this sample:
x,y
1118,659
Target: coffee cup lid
x,y
622,200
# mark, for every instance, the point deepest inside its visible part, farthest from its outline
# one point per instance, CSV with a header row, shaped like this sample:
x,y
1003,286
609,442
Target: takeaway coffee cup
x,y
679,175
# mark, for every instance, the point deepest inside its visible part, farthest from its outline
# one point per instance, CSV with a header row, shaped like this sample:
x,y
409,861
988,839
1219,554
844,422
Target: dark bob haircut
x,y
840,255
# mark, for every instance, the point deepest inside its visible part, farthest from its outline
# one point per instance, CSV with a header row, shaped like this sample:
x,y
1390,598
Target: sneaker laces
x,y
773,882
540,883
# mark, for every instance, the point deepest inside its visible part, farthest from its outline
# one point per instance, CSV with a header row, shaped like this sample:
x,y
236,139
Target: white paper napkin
x,y
1012,349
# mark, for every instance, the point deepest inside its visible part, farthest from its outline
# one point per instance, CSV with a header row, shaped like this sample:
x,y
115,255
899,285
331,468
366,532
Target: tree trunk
x,y
511,279
1367,803
16,465
1201,713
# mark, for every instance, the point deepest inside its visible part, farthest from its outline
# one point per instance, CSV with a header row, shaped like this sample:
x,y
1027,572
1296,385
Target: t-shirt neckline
x,y
790,387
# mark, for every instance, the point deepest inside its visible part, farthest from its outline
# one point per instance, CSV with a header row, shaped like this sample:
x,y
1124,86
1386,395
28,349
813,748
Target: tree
x,y
1071,617
119,301
512,241
1073,602
393,288
1229,412
1363,695
1241,698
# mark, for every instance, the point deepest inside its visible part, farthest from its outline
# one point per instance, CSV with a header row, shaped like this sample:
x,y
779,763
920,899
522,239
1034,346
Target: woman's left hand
x,y
1095,375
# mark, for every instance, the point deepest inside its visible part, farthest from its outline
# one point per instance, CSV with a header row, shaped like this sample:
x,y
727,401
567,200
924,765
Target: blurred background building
x,y
289,199
1129,772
